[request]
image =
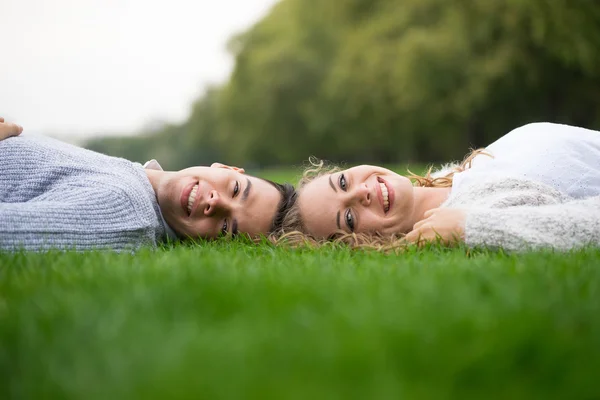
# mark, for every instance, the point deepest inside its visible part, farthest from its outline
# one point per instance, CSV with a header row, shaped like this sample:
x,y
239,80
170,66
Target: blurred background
x,y
264,83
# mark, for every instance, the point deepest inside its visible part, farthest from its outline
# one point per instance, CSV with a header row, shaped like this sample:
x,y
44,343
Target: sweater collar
x,y
171,235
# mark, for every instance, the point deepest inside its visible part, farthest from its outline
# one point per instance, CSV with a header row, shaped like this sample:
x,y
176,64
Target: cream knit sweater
x,y
516,214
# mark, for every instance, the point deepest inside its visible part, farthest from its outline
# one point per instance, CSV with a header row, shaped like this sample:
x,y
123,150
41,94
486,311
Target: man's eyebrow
x,y
332,185
247,190
337,220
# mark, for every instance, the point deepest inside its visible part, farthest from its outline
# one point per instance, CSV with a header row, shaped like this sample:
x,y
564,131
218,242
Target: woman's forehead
x,y
313,187
318,206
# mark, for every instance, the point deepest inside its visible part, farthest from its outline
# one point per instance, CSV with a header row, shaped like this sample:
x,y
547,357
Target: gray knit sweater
x,y
519,215
55,195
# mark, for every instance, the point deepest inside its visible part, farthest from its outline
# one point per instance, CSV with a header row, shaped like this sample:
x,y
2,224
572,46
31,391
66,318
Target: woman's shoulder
x,y
500,192
541,134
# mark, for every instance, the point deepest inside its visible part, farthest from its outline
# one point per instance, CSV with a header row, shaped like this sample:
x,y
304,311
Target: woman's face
x,y
361,199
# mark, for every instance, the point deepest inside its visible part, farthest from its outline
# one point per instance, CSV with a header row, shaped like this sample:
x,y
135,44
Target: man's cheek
x,y
204,229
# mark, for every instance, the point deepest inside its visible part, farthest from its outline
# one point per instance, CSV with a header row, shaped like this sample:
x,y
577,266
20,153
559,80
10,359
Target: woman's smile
x,y
386,195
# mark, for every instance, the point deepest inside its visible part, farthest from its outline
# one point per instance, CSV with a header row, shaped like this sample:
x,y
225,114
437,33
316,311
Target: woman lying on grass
x,y
55,195
538,186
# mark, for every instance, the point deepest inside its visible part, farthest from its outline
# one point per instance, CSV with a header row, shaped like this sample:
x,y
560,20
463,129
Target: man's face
x,y
209,201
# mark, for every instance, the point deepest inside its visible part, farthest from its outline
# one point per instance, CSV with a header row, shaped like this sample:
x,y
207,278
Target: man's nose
x,y
214,203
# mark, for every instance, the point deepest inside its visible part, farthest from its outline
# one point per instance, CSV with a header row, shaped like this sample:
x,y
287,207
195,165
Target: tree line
x,y
387,81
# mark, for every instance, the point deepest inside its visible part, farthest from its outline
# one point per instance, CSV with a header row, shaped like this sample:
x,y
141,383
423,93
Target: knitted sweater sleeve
x,y
78,218
563,226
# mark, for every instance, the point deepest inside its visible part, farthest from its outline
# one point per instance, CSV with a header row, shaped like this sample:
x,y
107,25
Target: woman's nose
x,y
214,203
363,194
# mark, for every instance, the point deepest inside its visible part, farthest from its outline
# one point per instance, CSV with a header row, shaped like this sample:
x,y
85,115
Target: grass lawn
x,y
231,320
292,175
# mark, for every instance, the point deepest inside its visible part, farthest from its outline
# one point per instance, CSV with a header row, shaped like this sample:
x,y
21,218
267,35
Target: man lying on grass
x,y
55,195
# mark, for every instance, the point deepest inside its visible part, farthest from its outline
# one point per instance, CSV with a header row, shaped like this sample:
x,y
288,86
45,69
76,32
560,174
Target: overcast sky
x,y
82,67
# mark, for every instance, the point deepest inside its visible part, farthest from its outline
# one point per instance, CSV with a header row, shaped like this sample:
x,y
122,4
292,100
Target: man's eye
x,y
349,220
225,227
343,182
236,189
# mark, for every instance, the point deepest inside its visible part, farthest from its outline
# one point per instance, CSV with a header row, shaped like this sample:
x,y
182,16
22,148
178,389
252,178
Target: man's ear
x,y
219,165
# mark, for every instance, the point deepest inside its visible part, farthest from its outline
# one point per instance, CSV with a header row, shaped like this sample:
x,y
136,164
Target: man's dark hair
x,y
288,198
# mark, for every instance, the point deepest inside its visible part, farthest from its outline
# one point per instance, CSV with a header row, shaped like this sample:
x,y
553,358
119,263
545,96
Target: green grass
x,y
232,320
292,175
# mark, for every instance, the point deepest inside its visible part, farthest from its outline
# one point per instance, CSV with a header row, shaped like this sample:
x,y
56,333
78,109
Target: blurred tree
x,y
390,81
280,64
141,148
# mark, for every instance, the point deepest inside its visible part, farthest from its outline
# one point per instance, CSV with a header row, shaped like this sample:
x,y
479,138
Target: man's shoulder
x,y
54,150
35,142
129,186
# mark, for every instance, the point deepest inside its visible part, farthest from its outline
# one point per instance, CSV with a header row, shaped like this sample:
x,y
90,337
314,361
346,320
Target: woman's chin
x,y
396,228
389,231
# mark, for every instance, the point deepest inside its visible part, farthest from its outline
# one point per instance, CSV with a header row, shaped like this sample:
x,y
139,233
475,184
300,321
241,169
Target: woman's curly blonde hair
x,y
293,231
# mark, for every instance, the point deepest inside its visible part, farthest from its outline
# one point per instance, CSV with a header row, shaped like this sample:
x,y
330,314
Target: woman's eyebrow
x,y
337,220
332,186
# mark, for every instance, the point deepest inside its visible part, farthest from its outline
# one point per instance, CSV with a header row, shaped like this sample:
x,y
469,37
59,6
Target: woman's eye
x,y
349,220
343,182
224,228
236,188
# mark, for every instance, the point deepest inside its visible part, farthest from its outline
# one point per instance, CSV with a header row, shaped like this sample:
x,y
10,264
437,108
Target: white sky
x,y
83,67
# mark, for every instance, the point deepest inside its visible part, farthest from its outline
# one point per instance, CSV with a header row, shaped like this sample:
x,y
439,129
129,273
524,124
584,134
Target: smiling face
x,y
361,199
208,201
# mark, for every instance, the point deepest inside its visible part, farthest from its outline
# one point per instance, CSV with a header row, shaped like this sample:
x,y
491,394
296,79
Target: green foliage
x,y
174,146
230,319
389,81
